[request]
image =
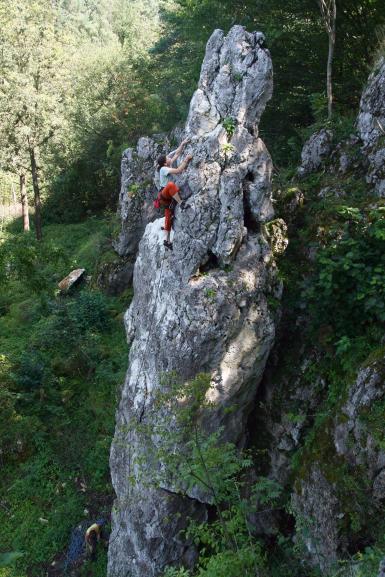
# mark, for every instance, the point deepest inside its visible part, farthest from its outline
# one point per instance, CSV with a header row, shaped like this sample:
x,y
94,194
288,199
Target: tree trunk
x,y
332,41
24,203
36,193
14,200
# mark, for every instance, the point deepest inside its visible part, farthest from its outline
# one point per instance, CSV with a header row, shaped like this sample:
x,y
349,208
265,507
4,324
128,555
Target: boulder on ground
x,y
72,279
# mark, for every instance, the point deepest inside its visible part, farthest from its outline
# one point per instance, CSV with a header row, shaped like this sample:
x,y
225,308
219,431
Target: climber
x,y
168,195
93,536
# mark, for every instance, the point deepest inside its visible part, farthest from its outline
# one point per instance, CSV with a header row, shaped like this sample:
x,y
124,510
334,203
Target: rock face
x,y
135,208
137,192
381,570
352,438
315,151
371,126
371,118
354,449
182,322
317,516
362,151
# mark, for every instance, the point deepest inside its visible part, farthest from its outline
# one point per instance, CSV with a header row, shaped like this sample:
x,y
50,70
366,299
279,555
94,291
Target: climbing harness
x,y
158,200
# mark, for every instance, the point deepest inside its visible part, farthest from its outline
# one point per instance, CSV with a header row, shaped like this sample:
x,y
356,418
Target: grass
x,y
62,361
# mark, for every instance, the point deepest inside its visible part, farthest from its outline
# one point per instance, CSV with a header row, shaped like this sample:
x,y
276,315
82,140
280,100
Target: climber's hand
x,y
185,141
189,157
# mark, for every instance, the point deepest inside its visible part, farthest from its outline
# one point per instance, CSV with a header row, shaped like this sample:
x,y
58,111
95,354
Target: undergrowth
x,y
332,325
62,360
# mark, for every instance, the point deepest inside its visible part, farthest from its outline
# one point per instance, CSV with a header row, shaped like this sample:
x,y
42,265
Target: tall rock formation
x,y
138,190
183,322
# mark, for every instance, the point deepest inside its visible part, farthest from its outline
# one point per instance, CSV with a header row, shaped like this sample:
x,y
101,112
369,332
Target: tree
x,y
33,91
24,203
113,105
329,14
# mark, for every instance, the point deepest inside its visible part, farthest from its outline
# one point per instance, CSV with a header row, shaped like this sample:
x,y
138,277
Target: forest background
x,y
82,80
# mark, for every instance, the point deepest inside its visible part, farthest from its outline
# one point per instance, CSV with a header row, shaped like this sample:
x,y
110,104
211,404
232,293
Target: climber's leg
x,y
170,195
91,546
168,214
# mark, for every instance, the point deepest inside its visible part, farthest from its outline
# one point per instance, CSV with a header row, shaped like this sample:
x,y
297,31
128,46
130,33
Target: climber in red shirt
x,y
168,195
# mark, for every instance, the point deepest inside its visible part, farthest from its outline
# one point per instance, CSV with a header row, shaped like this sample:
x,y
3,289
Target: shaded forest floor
x,y
62,361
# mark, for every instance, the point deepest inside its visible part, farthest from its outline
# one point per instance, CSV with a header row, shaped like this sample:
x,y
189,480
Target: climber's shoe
x,y
167,244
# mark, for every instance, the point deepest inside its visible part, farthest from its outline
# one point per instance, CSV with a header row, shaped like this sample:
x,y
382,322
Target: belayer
x,y
168,195
93,535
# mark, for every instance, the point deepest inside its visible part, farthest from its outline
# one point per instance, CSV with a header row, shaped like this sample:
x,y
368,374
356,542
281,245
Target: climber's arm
x,y
181,167
176,154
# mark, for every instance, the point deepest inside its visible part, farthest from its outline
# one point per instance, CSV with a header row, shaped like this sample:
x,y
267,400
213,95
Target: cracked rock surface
x,y
316,500
183,322
315,150
137,191
371,126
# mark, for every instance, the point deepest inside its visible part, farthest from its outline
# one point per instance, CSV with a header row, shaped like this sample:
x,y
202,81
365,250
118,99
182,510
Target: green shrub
x,y
62,360
348,291
229,124
203,460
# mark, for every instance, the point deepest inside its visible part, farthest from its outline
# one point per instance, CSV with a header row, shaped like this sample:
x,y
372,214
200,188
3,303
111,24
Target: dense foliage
x,y
71,96
82,80
61,363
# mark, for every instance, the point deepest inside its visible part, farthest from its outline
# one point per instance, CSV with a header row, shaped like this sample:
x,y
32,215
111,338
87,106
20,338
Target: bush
x,y
348,290
62,360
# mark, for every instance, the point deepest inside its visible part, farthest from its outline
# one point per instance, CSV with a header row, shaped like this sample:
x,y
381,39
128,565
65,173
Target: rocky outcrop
x,y
364,150
316,508
135,207
352,438
355,457
137,192
315,151
371,118
204,306
371,127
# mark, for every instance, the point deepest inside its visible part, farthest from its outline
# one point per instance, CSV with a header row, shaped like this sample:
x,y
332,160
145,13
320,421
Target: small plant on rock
x,y
229,124
133,190
227,149
193,458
